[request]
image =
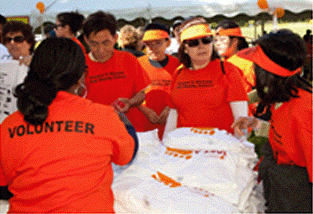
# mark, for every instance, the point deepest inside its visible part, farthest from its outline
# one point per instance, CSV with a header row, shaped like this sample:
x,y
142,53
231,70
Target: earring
x,y
81,91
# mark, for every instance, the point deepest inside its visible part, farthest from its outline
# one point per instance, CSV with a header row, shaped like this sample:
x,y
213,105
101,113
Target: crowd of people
x,y
82,100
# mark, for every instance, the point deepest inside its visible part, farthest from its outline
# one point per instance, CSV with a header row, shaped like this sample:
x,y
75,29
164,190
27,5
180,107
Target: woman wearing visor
x,y
204,93
227,42
286,167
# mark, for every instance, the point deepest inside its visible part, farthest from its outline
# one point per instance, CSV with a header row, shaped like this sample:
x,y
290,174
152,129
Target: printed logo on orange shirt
x,y
108,76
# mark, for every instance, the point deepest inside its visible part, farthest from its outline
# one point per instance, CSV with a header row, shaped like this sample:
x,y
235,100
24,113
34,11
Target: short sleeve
x,y
123,143
236,90
141,78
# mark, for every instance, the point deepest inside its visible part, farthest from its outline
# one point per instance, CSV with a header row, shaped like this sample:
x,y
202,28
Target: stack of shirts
x,y
192,171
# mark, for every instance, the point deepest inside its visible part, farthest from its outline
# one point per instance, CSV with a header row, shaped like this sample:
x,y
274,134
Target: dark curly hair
x,y
18,26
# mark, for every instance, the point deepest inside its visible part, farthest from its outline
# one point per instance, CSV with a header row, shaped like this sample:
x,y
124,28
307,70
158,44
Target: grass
x,y
258,142
297,27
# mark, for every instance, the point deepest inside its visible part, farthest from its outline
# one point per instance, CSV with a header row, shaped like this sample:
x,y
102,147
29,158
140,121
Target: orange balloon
x,y
280,12
263,4
40,6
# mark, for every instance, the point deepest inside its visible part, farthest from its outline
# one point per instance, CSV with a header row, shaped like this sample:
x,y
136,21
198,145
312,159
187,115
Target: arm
x,y
149,113
136,100
164,114
171,123
239,109
131,130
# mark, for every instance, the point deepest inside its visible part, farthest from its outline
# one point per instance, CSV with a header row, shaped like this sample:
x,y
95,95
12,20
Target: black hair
x,y
182,56
157,26
57,65
185,58
72,19
228,24
285,48
288,50
18,26
3,20
99,21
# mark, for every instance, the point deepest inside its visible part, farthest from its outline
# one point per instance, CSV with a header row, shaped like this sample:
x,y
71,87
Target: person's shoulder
x,y
305,97
143,58
124,54
173,58
13,118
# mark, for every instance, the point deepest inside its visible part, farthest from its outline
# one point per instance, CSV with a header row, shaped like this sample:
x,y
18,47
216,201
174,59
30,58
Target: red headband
x,y
256,55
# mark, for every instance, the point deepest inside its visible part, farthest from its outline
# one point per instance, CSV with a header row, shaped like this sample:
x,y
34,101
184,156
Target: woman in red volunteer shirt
x,y
286,169
205,92
227,42
57,150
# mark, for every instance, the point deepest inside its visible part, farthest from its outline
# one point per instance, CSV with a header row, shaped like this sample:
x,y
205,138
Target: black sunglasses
x,y
195,42
17,39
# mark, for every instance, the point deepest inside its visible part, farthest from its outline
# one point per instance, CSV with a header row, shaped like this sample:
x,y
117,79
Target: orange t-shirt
x,y
158,92
121,76
201,97
246,70
64,165
290,132
80,44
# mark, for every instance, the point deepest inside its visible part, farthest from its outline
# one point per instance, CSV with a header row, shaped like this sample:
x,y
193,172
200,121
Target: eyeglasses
x,y
195,42
17,39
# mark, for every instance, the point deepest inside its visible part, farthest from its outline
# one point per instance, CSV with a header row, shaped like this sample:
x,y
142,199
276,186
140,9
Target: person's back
x,y
56,157
63,165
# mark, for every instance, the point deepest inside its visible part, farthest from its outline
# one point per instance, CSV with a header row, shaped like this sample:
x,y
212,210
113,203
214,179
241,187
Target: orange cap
x,y
195,32
256,55
155,34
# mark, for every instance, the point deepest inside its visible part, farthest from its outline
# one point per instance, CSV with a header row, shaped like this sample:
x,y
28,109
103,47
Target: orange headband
x,y
256,55
230,32
155,34
195,32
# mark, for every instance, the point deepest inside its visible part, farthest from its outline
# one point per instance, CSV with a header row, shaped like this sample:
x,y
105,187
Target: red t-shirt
x,y
202,96
290,132
120,77
80,44
64,165
158,92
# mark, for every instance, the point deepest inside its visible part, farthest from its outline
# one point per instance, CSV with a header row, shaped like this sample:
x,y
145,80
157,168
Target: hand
x,y
164,115
243,123
121,105
149,113
152,116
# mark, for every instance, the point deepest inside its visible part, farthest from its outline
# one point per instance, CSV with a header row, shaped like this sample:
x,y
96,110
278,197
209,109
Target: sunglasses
x,y
17,39
195,42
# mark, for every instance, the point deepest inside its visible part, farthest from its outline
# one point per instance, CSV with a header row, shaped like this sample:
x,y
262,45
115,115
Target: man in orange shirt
x,y
160,68
114,77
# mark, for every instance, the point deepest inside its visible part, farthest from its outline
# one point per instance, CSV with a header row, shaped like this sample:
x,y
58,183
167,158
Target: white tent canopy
x,y
132,9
